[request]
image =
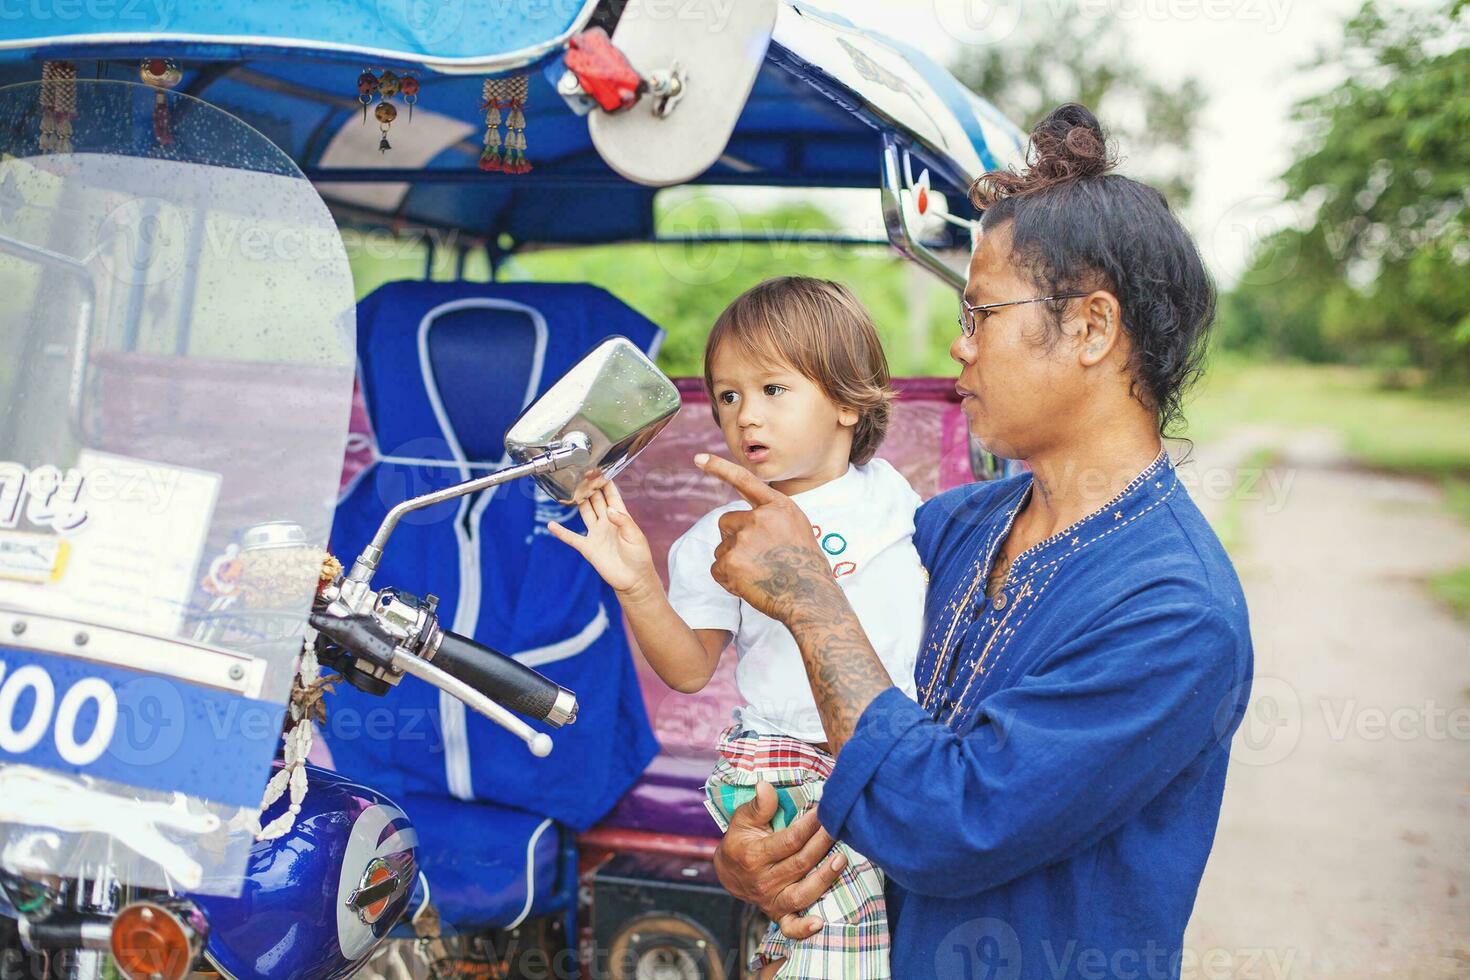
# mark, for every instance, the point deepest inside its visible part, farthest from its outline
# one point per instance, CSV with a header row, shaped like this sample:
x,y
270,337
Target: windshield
x,y
176,357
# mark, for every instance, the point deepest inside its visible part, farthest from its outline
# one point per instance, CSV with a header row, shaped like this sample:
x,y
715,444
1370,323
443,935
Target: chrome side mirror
x,y
580,434
616,398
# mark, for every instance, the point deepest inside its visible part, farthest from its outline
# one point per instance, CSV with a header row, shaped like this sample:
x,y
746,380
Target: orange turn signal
x,y
151,942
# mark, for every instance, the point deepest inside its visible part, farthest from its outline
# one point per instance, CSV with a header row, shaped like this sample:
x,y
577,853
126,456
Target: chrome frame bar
x,y
83,342
900,236
574,448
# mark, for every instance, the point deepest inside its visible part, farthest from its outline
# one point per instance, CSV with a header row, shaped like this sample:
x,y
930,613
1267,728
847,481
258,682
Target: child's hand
x,y
613,544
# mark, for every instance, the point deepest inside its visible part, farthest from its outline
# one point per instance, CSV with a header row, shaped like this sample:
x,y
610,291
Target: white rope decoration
x,y
305,693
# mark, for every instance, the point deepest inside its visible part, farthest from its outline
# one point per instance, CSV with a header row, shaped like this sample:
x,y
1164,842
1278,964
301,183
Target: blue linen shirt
x,y
1048,807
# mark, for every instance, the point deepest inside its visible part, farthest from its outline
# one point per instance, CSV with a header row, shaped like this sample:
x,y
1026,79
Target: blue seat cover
x,y
487,865
444,369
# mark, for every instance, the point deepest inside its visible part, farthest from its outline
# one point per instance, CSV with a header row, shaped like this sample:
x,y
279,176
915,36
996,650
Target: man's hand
x,y
767,555
773,869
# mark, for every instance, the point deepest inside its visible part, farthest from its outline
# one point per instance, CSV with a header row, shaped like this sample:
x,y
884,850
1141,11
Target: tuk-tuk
x,y
494,129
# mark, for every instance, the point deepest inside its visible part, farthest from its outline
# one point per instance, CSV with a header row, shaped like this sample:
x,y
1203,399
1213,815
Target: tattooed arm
x,y
768,557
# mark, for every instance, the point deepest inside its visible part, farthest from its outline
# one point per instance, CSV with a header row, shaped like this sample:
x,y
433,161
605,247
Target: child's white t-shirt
x,y
864,522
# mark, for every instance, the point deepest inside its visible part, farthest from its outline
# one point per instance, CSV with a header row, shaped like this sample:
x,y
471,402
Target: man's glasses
x,y
967,312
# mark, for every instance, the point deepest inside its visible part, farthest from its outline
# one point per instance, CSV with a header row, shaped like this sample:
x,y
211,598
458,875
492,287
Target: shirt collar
x,y
1142,494
829,491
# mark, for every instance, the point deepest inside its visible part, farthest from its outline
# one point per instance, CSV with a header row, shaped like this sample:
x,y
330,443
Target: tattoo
x,y
844,671
999,572
797,583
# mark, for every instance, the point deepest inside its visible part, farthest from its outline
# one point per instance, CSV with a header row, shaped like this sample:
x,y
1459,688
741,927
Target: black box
x,y
669,916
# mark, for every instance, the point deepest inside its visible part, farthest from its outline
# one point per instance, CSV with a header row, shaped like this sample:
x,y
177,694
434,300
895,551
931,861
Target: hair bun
x,y
1069,144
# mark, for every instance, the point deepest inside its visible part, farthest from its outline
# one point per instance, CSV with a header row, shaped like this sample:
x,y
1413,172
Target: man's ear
x,y
1098,327
847,417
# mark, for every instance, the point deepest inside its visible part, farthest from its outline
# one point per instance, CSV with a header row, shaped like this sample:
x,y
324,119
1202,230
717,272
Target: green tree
x,y
1050,60
1275,309
1383,272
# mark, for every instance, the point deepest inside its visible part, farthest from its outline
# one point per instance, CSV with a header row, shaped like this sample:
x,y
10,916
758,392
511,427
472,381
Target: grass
x,y
1421,432
1425,432
1453,587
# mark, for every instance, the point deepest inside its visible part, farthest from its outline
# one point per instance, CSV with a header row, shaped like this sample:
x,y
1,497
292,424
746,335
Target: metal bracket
x,y
900,236
666,85
195,663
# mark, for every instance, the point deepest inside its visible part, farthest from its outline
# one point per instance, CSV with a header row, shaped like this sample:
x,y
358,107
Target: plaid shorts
x,y
853,945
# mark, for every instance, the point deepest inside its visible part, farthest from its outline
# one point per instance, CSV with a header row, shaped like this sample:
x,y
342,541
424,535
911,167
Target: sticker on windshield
x,y
44,498
27,557
133,532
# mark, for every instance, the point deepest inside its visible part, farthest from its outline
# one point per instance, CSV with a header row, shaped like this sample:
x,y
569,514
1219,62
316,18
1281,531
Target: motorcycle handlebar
x,y
504,679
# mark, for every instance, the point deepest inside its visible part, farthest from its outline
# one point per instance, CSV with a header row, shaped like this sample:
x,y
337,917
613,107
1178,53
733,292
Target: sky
x,y
1248,55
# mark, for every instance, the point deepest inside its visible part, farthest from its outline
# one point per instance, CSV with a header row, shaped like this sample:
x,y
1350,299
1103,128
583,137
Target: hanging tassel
x,y
162,123
58,106
163,74
519,91
492,102
490,159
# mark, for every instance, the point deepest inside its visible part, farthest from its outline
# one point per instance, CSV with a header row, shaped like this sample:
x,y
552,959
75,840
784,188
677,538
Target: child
x,y
799,387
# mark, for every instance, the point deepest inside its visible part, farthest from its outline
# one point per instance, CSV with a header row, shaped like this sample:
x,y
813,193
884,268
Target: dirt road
x,y
1344,843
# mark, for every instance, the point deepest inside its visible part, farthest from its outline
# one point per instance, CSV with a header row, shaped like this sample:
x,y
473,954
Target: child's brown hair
x,y
819,328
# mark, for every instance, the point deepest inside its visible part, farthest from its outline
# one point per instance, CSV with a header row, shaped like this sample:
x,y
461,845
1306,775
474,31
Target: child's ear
x,y
847,417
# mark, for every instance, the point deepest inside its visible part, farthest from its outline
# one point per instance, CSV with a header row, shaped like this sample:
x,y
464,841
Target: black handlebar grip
x,y
507,681
360,635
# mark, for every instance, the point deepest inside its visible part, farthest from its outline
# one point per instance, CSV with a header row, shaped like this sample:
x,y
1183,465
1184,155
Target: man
x,y
1047,807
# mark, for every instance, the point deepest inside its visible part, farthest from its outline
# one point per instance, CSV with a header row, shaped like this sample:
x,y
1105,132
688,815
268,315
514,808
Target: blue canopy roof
x,y
826,94
453,36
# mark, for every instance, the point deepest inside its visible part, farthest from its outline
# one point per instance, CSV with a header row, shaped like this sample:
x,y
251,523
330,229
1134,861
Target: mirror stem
x,y
572,450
